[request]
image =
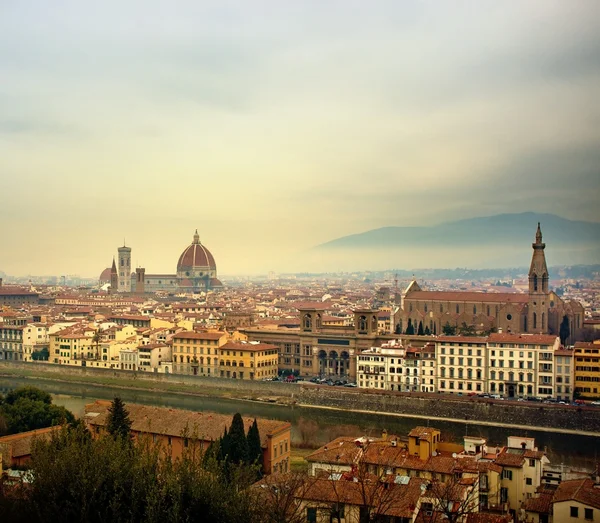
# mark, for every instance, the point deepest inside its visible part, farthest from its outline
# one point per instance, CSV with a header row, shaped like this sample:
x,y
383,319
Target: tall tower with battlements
x,y
124,268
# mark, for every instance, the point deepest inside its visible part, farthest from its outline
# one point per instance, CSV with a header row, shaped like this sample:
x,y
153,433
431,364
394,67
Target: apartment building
x,y
198,353
461,364
381,368
587,369
248,360
564,372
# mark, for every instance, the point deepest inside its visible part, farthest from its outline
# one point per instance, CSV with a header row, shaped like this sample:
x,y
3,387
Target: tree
x,y
255,454
238,444
466,330
427,331
96,339
565,330
449,330
40,355
410,330
450,499
78,478
30,408
420,331
118,423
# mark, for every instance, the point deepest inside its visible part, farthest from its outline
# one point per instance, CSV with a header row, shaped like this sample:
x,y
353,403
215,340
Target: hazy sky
x,y
275,126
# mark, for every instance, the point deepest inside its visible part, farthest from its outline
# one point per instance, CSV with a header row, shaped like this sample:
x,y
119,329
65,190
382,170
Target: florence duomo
x,y
196,272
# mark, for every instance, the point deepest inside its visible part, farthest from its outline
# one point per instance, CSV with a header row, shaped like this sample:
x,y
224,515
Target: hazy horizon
x,y
273,127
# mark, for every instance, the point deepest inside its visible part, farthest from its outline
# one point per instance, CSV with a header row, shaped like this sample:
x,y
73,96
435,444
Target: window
x,y
574,512
311,514
532,462
507,474
528,481
589,513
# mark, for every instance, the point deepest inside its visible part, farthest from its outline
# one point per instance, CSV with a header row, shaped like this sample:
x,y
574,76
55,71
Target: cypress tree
x,y
118,422
254,448
564,330
238,444
410,329
420,332
223,446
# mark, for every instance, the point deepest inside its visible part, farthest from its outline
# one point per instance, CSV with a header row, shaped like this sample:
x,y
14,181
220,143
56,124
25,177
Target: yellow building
x,y
423,442
587,369
197,353
576,500
69,347
248,360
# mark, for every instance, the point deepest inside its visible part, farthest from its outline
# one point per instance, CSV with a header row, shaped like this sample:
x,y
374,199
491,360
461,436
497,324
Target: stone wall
x,y
53,371
535,415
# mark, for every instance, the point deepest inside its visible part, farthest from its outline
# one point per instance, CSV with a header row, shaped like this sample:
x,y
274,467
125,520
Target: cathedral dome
x,y
105,276
196,260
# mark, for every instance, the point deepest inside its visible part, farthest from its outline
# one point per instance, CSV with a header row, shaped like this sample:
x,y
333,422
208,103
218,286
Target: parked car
x,y
350,385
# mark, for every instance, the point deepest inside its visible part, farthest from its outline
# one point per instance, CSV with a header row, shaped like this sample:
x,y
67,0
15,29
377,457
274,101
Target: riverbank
x,y
436,408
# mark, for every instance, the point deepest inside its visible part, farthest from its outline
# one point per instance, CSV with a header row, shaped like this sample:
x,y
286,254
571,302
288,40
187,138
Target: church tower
x,y
114,278
124,269
537,314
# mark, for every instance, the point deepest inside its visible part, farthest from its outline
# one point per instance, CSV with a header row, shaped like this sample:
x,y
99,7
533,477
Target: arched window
x,y
441,308
535,283
362,323
425,307
307,322
488,310
543,320
474,309
457,309
535,320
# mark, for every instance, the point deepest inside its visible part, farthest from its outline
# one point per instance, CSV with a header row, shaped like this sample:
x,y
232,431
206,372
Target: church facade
x,y
196,272
539,311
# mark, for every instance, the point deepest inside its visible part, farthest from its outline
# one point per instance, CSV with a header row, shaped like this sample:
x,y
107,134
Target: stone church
x,y
538,311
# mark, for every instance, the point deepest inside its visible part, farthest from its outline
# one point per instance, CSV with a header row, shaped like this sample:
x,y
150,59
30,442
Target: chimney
x,y
499,330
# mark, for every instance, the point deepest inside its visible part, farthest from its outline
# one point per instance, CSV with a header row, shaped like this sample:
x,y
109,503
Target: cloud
x,y
276,126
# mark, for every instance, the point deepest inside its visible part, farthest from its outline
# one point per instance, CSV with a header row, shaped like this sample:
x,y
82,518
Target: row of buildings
x,y
504,364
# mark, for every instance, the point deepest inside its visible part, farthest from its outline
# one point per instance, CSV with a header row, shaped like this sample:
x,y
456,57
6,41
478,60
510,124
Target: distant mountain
x,y
503,240
516,229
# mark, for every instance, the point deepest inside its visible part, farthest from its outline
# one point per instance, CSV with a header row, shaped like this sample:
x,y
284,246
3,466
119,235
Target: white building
x,y
381,368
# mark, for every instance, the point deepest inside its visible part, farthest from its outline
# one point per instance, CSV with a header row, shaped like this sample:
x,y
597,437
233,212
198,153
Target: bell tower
x,y
537,314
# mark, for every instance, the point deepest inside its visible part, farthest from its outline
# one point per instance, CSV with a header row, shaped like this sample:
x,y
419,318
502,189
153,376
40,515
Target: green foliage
x,y
40,355
565,330
427,331
420,331
410,329
466,330
449,330
238,444
29,408
75,477
255,454
118,422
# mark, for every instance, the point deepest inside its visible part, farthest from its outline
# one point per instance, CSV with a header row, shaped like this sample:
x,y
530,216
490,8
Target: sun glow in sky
x,y
275,126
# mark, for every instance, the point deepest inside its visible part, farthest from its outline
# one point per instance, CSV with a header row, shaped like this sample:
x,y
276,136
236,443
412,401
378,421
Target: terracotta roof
x,y
21,443
531,339
582,490
510,459
207,426
248,346
192,335
462,339
422,432
542,503
196,256
478,297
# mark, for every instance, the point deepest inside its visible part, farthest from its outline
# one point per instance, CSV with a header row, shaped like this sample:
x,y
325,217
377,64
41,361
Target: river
x,y
317,426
